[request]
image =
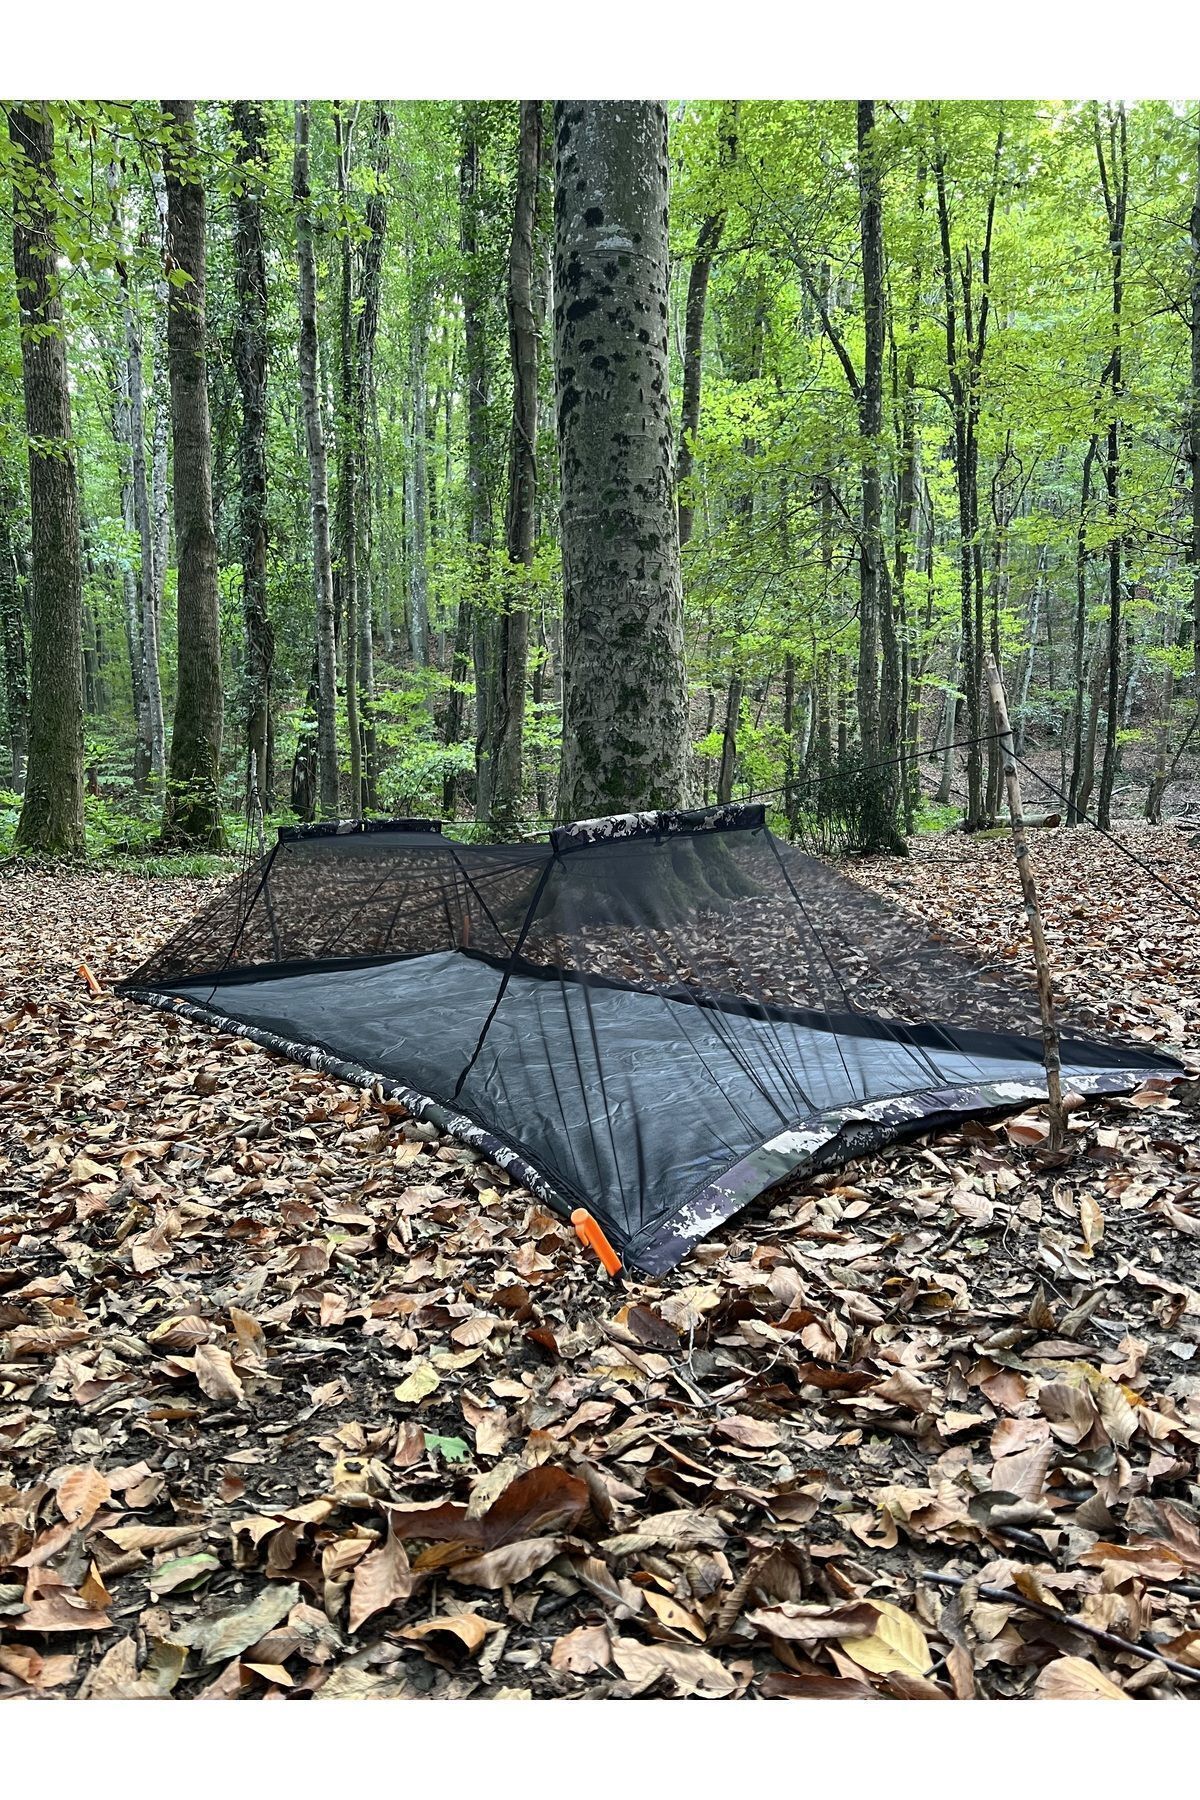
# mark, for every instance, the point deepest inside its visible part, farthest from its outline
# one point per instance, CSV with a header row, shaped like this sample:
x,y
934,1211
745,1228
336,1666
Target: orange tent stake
x,y
93,985
589,1233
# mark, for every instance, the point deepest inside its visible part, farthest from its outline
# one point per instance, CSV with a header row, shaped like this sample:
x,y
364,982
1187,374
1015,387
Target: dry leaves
x,y
299,1398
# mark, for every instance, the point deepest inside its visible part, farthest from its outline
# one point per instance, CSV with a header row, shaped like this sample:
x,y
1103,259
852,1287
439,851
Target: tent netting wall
x,y
655,1016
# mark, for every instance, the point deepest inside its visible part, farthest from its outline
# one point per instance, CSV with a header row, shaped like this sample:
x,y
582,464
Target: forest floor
x,y
297,1400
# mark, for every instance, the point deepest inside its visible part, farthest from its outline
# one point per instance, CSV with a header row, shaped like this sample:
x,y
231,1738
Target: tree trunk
x,y
51,821
878,687
418,592
1193,427
160,499
12,630
708,242
123,436
870,414
318,475
1079,642
149,587
964,363
1162,757
733,716
366,330
524,327
192,803
624,679
250,365
1114,178
347,453
479,502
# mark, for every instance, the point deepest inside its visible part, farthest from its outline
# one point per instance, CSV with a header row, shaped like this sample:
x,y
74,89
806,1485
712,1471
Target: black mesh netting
x,y
655,1017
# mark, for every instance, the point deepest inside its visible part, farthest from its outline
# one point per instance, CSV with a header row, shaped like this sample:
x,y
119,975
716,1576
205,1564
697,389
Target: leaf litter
x,y
301,1400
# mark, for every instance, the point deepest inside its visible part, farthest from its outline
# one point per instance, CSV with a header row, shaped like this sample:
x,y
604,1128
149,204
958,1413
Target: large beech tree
x,y
51,822
624,685
192,807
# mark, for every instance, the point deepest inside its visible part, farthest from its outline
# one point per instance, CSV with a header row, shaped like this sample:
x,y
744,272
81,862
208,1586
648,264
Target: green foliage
x,y
771,572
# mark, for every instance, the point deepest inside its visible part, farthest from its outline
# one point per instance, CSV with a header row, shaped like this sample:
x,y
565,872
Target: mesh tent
x,y
655,1016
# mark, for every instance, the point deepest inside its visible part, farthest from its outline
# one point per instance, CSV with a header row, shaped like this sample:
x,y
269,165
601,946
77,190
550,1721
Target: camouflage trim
x,y
288,834
448,1119
656,824
829,1139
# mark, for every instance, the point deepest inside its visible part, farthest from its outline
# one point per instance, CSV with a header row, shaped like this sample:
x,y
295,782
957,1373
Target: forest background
x,y
934,389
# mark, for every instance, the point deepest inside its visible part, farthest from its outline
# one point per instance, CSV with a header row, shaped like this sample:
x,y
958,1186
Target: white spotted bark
x,y
624,687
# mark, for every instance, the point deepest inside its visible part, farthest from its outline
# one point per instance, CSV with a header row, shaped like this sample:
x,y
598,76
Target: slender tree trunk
x,y
148,591
192,807
51,821
1030,657
708,242
347,449
1114,177
733,715
318,474
160,498
624,679
366,330
484,648
12,630
418,593
123,435
250,346
870,414
1193,426
524,328
1087,772
1162,758
964,363
946,731
1079,640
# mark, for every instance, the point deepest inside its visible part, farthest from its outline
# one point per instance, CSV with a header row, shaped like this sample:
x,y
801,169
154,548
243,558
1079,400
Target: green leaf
x,y
450,1449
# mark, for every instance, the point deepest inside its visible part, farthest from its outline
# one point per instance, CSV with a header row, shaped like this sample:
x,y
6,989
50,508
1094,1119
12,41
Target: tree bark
x,y
123,437
524,328
192,805
1079,640
149,587
366,330
708,242
479,499
250,348
347,460
51,821
318,474
878,686
12,630
1193,427
729,731
1114,180
964,364
624,682
418,497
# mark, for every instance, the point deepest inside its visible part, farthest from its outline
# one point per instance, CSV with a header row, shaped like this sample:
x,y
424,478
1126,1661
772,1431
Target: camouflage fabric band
x,y
354,827
657,824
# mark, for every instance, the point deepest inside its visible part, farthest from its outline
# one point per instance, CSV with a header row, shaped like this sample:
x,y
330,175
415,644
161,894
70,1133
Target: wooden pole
x,y
1033,911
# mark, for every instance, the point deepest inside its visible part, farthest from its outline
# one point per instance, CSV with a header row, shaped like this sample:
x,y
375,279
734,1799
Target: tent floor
x,y
628,1102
